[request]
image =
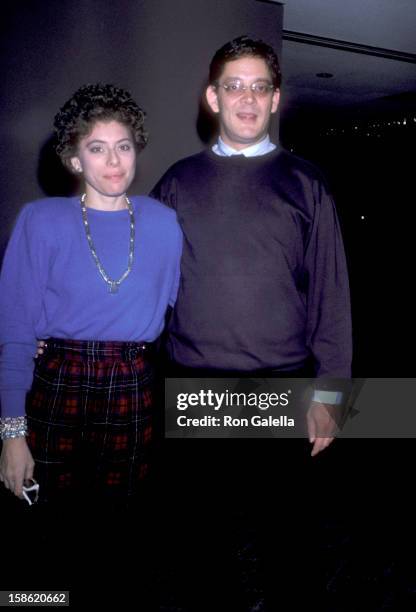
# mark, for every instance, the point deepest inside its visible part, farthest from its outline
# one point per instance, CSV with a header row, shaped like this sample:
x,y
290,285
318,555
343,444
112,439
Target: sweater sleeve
x,y
22,283
178,254
329,333
165,190
164,193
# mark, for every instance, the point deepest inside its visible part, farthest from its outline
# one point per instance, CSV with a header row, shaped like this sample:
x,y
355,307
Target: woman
x,y
94,276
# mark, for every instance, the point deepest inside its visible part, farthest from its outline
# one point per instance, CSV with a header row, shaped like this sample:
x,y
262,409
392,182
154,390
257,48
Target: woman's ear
x,y
75,164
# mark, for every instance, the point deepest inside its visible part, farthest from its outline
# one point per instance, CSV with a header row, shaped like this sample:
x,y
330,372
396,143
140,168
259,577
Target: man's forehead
x,y
251,67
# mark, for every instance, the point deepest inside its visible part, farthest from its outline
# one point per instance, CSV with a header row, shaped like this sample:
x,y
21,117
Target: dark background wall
x,y
158,49
368,162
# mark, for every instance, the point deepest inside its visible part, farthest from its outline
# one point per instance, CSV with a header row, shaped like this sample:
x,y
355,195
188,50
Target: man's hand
x,y
39,348
16,464
322,425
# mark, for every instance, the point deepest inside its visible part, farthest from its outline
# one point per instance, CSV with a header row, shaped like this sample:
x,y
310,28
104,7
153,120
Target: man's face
x,y
244,116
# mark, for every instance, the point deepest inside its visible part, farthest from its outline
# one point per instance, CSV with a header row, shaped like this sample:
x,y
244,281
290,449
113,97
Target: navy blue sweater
x,y
264,281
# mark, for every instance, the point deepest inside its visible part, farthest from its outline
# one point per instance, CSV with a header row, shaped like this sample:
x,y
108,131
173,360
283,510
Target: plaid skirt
x,y
89,417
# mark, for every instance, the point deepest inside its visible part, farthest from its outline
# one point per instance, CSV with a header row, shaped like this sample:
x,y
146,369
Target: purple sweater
x,y
51,287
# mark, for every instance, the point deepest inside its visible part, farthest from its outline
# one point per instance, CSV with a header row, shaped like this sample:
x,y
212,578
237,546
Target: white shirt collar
x,y
260,148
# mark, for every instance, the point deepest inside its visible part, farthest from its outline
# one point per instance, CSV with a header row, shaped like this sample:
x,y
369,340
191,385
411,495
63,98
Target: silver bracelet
x,y
13,427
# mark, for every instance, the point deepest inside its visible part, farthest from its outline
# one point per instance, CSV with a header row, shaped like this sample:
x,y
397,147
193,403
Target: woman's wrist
x,y
13,427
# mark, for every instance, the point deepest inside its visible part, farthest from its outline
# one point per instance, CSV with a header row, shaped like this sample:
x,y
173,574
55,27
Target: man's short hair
x,y
243,46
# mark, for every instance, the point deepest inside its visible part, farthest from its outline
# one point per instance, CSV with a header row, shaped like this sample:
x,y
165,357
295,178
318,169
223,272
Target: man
x,y
263,291
264,285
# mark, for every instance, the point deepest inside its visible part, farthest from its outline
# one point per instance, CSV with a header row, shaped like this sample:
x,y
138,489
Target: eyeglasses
x,y
30,491
236,88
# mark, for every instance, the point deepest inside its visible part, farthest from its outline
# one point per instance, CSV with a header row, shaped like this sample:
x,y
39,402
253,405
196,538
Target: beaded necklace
x,y
113,284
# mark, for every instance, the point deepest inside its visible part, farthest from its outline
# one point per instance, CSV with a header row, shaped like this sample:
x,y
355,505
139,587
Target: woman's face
x,y
107,158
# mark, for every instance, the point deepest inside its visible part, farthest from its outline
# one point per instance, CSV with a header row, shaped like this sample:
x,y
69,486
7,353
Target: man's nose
x,y
248,95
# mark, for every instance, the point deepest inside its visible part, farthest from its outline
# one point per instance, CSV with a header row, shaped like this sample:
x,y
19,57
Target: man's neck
x,y
259,148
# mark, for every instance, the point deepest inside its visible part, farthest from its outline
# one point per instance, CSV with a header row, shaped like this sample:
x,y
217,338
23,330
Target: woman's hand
x,y
16,464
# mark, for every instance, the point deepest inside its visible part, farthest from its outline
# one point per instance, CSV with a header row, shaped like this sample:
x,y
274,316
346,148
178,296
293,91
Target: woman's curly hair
x,y
92,103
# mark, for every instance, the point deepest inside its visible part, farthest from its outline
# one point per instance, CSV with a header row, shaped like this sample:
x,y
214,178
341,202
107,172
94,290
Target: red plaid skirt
x,y
90,417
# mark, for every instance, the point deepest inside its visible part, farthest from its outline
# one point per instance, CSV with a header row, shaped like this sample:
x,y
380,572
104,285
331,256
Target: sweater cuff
x,y
13,402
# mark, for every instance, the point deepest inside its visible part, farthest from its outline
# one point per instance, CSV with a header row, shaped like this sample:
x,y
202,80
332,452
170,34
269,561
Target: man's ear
x,y
211,96
275,100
